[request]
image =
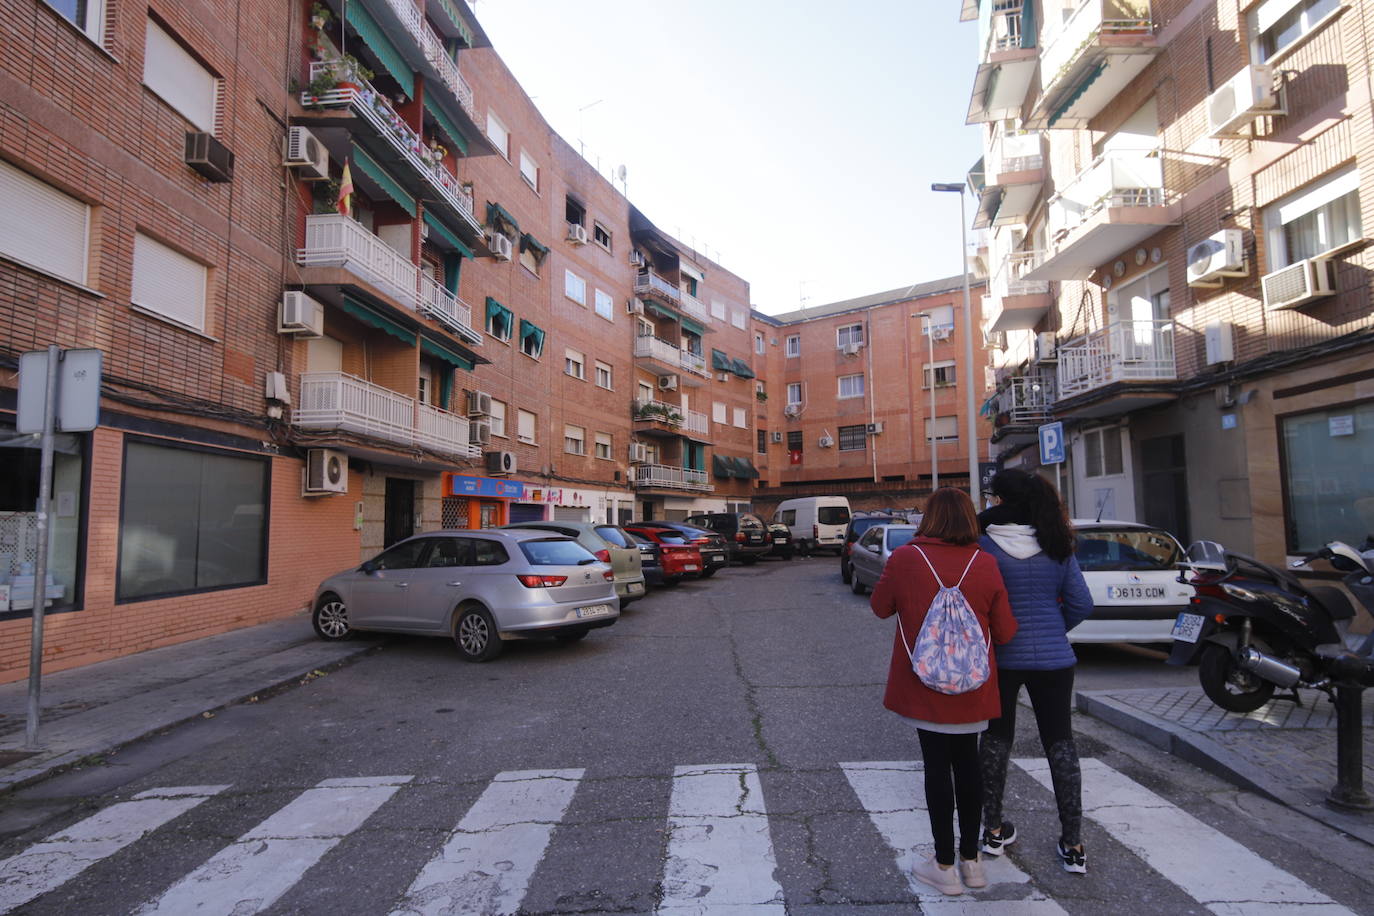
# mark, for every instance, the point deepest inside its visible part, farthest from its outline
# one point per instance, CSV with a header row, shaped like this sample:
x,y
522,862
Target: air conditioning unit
x,y
479,404
326,471
634,307
501,247
209,157
874,429
792,410
1220,342
826,442
275,387
1241,99
723,377
479,432
941,331
499,464
667,383
639,453
851,349
577,234
637,259
300,315
1221,255
1297,284
304,149
995,340
1044,347
775,437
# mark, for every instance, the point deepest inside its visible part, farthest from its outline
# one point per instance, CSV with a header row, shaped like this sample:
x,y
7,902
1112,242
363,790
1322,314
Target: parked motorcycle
x,y
1253,628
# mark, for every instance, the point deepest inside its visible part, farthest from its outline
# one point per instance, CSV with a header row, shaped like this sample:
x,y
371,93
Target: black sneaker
x,y
996,844
1072,860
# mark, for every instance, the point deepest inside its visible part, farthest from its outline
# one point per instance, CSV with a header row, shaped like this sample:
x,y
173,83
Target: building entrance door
x,y
399,522
1165,481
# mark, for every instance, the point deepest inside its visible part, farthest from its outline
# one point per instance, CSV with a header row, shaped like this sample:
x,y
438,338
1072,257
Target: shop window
x,y
1328,490
20,461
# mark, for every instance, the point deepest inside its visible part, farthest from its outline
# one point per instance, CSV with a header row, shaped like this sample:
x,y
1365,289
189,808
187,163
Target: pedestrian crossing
x,y
718,858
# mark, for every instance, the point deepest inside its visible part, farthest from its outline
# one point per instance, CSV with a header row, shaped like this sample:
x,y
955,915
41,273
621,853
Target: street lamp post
x,y
928,322
971,430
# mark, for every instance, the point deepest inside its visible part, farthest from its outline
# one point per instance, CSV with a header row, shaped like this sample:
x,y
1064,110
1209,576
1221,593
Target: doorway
x,y
399,522
1165,484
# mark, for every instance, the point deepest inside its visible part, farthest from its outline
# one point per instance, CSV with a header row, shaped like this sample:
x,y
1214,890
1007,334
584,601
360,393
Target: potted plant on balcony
x,y
320,16
761,396
350,73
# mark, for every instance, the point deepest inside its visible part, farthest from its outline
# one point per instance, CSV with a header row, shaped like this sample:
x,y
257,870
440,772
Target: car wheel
x,y
846,572
571,637
855,585
1230,686
474,633
330,618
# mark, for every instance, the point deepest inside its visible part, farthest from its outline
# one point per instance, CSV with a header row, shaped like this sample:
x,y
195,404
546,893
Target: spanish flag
x,y
345,202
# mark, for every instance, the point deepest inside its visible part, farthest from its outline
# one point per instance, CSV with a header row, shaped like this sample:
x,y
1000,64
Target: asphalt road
x,y
722,749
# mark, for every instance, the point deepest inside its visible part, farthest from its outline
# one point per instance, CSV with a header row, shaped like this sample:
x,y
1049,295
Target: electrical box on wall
x,y
1220,342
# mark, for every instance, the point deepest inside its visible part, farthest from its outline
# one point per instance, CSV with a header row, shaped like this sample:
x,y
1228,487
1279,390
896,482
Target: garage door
x,y
526,512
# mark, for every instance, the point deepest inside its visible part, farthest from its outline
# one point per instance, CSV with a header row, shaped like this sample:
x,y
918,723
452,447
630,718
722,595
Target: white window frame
x,y
173,74
1265,16
526,426
574,439
529,170
793,345
1095,470
739,318
719,412
604,372
498,418
165,283
943,423
850,379
646,391
498,134
94,26
574,287
604,447
1317,197
574,364
741,421
758,343
938,365
43,227
605,305
794,393
717,310
609,244
849,334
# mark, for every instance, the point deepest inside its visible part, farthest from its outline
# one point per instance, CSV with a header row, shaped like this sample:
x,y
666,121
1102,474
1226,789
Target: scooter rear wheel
x,y
1230,686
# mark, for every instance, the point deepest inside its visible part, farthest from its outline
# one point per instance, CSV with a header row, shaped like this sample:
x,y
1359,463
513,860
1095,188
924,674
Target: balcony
x,y
648,283
1090,58
666,477
666,358
1014,171
1125,351
335,240
404,23
1027,400
338,401
1006,33
1117,203
652,417
695,308
396,142
1016,302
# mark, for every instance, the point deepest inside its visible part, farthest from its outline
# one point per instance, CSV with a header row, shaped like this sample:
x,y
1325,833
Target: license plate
x,y
594,610
1187,627
1135,591
716,557
635,588
690,567
779,540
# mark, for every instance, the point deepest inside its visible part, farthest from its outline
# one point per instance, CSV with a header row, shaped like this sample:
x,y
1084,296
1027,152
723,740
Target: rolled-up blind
x,y
168,283
41,226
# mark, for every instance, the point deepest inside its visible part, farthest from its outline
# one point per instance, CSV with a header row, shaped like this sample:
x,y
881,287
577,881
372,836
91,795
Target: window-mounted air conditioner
x,y
479,432
667,383
639,453
1242,98
211,158
1045,347
775,437
479,404
577,234
635,306
501,247
1297,284
826,442
874,429
304,150
1222,255
326,471
499,464
300,315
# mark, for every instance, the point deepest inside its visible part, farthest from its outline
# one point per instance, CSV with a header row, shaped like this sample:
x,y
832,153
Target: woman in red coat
x,y
947,724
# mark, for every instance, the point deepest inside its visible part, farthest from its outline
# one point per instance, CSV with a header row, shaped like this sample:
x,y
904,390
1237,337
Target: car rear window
x,y
1126,549
670,537
556,552
750,521
860,525
614,535
832,515
896,537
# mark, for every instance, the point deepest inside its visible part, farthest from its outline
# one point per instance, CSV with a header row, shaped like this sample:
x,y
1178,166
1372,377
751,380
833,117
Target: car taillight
x,y
603,555
739,536
533,581
609,575
701,540
815,531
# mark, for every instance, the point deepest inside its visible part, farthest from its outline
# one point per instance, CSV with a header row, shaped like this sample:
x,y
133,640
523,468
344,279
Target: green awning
x,y
392,59
744,469
722,466
439,351
722,362
496,312
369,167
450,129
529,329
373,318
456,18
660,311
497,213
1077,93
447,235
741,368
690,325
530,243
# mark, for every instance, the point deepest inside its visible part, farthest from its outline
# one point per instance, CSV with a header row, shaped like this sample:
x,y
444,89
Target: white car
x,y
1132,571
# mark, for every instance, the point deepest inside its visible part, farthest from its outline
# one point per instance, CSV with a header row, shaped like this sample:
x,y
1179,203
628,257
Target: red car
x,y
678,558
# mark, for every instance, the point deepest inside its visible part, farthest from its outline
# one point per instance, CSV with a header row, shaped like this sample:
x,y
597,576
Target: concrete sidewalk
x,y
1283,751
98,708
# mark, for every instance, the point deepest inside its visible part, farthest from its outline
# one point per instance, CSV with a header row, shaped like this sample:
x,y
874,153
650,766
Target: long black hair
x,y
1029,499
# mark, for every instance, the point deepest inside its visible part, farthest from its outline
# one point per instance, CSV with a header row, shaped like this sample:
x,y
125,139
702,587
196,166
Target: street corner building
x,y
1177,198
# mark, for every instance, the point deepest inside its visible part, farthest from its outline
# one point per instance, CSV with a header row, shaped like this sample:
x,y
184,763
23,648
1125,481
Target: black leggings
x,y
952,778
1051,696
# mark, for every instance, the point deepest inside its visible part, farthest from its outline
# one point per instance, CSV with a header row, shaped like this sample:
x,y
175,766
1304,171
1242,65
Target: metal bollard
x,y
1348,794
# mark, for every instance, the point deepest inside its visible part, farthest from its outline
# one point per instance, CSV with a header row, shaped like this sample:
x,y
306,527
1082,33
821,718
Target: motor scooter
x,y
1252,628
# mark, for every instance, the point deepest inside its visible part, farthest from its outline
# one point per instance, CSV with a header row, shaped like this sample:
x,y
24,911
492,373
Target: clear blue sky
x,y
796,142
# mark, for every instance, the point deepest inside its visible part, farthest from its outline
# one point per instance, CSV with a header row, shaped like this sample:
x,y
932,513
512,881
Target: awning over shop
x,y
447,237
442,352
392,59
447,125
722,362
374,318
741,368
389,185
722,466
497,216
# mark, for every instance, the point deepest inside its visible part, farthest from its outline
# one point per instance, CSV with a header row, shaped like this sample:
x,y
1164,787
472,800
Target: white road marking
x,y
250,874
64,855
893,794
1213,869
720,852
486,865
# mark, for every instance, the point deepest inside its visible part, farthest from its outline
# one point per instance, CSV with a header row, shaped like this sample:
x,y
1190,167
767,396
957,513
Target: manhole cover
x,y
9,757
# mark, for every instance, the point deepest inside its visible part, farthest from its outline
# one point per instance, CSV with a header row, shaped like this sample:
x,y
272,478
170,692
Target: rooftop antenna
x,y
802,297
620,173
582,147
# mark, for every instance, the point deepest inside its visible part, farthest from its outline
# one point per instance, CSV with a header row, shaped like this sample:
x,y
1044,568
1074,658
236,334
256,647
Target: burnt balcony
x,y
1134,352
337,401
648,283
1015,302
1088,60
667,477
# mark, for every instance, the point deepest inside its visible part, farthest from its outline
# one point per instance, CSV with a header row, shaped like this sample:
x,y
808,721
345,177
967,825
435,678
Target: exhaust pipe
x,y
1268,667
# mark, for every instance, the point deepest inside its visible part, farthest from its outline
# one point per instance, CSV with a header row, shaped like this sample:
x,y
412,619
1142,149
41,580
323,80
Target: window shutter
x,y
168,283
178,78
41,226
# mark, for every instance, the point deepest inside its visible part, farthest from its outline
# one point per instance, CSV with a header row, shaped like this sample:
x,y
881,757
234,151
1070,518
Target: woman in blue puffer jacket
x,y
1029,534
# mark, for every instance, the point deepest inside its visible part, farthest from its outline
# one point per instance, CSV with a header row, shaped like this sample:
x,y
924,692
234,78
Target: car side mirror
x,y
369,567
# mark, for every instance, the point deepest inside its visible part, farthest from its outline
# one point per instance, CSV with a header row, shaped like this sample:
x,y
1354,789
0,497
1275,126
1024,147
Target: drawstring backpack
x,y
949,655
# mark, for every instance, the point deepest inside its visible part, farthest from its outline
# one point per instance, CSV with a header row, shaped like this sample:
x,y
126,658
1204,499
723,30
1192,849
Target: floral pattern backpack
x,y
950,654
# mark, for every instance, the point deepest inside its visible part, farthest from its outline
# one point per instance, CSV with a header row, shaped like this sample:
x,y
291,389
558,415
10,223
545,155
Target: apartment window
x,y
191,520
498,418
529,170
574,364
500,320
603,376
168,283
1276,24
851,386
717,310
177,78
1322,216
524,426
603,446
689,285
853,438
86,15
942,316
762,447
794,440
605,305
532,253
601,235
1326,459
945,374
574,287
739,318
531,339
42,227
574,440
741,421
794,392
720,413
574,212
758,343
1102,452
850,334
946,429
793,345
498,134
646,392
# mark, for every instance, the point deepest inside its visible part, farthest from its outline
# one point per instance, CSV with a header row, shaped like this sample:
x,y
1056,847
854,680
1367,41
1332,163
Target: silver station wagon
x,y
482,588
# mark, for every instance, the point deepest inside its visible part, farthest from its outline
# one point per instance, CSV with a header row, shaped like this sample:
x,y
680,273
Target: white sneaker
x,y
944,880
971,870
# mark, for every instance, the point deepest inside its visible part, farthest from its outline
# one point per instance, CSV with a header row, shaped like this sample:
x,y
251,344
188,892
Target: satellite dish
x,y
620,173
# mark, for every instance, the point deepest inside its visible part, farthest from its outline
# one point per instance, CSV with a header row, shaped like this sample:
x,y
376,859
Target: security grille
x,y
454,513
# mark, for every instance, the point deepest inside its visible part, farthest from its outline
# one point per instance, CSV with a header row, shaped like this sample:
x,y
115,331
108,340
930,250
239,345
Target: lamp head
x,y
954,187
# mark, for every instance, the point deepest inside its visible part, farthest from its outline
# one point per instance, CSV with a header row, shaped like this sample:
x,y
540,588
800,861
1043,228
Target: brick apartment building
x,y
1178,196
849,385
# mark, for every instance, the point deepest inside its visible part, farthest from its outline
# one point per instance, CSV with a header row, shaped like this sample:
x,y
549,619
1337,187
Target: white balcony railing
x,y
1027,399
649,282
1093,22
650,411
1118,178
1007,26
1125,351
339,401
694,307
648,346
1014,151
1010,277
662,475
432,46
694,363
695,421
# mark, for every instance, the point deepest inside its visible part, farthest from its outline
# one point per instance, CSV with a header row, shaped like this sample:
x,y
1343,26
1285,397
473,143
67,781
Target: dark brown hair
x,y
949,516
1029,499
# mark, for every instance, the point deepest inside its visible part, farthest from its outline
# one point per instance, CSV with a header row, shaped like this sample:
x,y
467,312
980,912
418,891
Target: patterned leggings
x,y
1051,696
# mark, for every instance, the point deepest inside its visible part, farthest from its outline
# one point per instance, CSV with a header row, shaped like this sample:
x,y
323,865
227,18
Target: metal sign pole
x,y
40,572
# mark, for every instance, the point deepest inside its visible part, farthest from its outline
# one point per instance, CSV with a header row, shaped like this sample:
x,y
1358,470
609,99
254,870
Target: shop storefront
x,y
19,472
479,502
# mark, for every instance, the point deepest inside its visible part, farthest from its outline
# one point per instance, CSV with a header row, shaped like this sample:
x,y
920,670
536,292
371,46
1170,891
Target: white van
x,y
816,522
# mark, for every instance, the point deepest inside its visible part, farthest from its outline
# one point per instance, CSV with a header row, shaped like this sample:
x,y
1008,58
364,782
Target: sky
x,y
792,141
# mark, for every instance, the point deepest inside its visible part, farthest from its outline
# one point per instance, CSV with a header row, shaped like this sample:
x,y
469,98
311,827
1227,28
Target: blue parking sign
x,y
1052,443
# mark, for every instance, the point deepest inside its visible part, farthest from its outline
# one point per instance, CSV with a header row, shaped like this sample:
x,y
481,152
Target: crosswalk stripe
x,y
720,851
250,874
486,865
64,855
1213,869
893,794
